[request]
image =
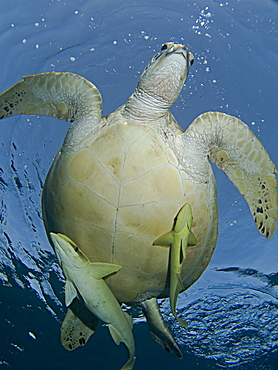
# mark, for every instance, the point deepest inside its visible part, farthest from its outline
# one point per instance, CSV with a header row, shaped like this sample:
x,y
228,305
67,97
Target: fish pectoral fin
x,y
115,334
99,270
70,292
165,240
192,239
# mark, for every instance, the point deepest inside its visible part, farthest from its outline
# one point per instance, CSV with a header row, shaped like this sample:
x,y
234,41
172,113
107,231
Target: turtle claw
x,y
169,346
178,239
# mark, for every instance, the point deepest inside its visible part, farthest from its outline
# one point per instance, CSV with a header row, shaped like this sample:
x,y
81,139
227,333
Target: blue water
x,y
232,309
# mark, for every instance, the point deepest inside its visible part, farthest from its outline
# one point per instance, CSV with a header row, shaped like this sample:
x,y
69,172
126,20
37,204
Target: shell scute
x,y
108,148
96,241
134,192
92,174
144,154
172,158
132,219
83,204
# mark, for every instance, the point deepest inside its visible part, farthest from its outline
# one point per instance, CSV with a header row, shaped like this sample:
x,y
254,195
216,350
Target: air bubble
x,y
32,335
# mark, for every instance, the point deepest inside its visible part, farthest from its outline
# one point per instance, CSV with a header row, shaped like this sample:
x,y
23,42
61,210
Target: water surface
x,y
232,309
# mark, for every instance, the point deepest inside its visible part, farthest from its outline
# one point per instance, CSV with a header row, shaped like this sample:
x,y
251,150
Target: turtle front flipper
x,y
158,328
78,325
233,147
178,239
65,96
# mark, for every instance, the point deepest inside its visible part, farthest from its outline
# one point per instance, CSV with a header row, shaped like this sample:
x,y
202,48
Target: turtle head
x,y
165,74
162,80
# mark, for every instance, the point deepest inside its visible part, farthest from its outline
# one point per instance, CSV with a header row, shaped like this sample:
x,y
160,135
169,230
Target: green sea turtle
x,y
129,202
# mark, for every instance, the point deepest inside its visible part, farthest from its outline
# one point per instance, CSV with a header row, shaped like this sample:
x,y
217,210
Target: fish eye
x,y
191,61
163,47
76,249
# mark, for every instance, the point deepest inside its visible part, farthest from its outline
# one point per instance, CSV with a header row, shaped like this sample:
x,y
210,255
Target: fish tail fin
x,y
176,287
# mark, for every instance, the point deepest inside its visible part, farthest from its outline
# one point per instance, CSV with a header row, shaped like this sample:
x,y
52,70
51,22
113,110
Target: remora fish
x,y
86,279
178,239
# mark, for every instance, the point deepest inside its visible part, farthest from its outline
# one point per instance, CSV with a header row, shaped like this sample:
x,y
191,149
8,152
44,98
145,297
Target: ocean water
x,y
232,309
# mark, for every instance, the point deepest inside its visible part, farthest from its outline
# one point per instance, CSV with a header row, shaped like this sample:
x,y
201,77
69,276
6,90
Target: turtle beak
x,y
181,50
178,49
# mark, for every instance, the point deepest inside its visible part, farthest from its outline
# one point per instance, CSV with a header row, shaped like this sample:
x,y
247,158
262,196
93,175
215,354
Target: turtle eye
x,y
163,47
191,58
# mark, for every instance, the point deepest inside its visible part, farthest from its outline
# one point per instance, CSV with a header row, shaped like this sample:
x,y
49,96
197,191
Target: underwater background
x,y
232,309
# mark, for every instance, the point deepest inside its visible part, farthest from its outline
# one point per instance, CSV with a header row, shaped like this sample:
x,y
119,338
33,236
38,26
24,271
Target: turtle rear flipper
x,y
158,328
78,325
233,147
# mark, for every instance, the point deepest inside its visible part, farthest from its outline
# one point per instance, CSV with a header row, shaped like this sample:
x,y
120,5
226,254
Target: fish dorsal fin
x,y
70,292
99,270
